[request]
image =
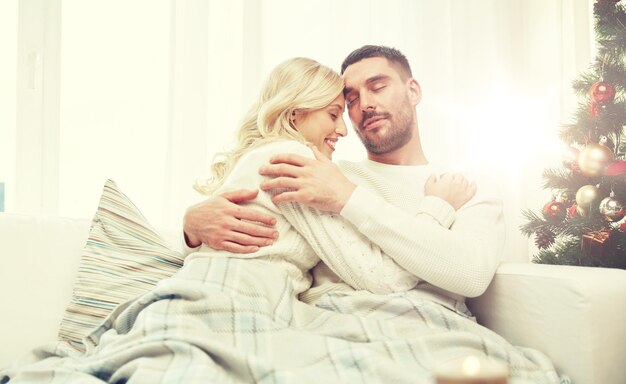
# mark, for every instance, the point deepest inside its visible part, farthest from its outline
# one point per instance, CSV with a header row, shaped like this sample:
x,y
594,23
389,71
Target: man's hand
x,y
453,188
317,183
222,224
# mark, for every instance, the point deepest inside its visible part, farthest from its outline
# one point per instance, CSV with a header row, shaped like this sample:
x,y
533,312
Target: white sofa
x,y
575,315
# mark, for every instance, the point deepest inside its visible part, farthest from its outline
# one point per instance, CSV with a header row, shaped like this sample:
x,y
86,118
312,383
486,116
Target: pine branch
x,y
566,252
561,178
534,223
572,133
608,123
580,225
611,119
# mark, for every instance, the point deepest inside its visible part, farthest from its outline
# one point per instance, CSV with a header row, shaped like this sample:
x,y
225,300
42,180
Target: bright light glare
x,y
471,366
503,131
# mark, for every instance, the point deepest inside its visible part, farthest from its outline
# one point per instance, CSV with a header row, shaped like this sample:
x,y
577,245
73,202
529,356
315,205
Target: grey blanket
x,y
226,320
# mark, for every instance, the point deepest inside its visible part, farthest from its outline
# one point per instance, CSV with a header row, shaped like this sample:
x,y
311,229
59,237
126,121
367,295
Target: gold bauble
x,y
594,158
587,196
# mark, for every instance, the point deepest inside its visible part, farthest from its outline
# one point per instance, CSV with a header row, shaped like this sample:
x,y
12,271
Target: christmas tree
x,y
585,222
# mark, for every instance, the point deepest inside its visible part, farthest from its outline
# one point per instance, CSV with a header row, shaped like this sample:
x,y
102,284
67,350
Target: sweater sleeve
x,y
347,252
458,252
184,248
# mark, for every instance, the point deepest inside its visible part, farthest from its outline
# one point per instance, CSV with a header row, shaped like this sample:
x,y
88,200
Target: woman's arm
x,y
349,253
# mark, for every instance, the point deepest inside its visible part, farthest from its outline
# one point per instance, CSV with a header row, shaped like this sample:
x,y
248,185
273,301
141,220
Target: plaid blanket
x,y
226,320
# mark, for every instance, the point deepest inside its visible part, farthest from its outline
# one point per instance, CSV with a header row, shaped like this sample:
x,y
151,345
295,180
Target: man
x,y
432,225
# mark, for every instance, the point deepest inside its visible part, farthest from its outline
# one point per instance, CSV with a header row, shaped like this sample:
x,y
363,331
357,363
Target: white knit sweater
x,y
388,237
453,254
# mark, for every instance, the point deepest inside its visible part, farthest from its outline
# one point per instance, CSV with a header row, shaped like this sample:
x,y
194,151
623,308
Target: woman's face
x,y
323,127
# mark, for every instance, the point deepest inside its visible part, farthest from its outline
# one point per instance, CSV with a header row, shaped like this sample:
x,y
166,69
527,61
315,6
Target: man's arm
x,y
456,251
318,183
222,224
461,259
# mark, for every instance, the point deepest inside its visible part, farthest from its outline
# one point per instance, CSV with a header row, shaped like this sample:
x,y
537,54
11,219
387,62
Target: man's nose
x,y
367,104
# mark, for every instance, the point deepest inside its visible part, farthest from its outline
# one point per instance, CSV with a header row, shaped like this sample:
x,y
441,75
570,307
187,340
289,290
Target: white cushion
x,y
575,315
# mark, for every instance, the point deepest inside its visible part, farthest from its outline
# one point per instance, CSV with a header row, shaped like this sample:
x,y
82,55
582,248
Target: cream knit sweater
x,y
453,254
388,238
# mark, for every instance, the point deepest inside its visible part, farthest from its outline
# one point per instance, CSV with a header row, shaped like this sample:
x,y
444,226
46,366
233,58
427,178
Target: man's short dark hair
x,y
369,51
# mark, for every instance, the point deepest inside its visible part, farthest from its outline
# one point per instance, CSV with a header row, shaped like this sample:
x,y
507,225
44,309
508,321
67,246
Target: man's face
x,y
381,105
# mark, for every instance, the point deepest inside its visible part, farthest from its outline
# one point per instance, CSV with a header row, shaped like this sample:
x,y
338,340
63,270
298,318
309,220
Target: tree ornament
x,y
604,140
595,109
570,157
612,209
573,211
601,92
544,238
595,243
615,168
586,197
562,196
554,211
594,158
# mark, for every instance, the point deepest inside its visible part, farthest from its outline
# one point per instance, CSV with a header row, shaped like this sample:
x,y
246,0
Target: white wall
x,y
146,91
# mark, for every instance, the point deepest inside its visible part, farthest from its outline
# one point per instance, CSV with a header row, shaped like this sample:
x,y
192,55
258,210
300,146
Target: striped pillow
x,y
123,258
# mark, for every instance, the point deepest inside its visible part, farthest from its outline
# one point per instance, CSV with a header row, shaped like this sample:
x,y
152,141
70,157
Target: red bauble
x,y
601,92
573,211
554,211
615,168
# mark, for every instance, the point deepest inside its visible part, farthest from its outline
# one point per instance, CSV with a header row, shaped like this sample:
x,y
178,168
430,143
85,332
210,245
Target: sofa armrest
x,y
40,256
575,315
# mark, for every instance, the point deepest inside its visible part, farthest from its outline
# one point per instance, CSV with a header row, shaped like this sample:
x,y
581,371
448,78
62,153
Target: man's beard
x,y
398,134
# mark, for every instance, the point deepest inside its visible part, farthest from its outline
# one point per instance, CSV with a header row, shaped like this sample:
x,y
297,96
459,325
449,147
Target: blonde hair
x,y
298,84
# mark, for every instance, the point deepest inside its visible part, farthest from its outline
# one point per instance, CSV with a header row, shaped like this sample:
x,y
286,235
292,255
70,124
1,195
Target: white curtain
x,y
146,91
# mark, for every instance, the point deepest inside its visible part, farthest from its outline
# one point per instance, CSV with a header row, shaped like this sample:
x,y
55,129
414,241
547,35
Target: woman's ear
x,y
414,91
297,116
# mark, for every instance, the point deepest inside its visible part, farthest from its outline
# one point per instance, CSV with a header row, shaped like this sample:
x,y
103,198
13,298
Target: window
x,y
8,68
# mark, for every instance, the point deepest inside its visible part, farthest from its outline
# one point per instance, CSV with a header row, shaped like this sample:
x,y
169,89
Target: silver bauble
x,y
612,209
